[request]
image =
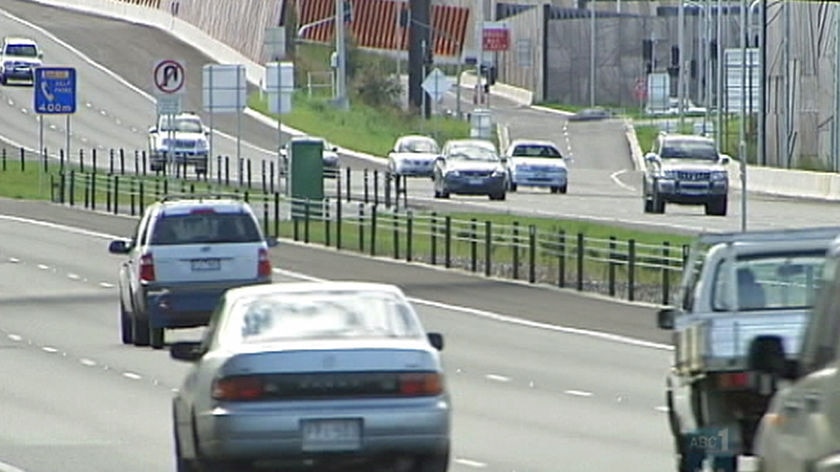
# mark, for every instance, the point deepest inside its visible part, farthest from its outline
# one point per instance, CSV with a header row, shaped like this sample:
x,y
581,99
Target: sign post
x,y
495,37
54,94
275,45
169,77
224,90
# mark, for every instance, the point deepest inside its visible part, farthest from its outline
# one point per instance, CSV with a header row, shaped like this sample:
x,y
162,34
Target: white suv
x,y
18,59
180,140
185,253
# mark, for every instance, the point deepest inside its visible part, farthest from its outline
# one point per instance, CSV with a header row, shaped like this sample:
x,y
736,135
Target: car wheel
x,y
658,203
716,207
497,196
564,189
225,466
125,325
512,187
432,463
156,337
181,464
140,330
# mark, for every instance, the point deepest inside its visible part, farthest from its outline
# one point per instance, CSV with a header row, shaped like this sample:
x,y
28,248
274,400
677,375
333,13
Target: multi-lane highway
x,y
115,80
542,379
527,398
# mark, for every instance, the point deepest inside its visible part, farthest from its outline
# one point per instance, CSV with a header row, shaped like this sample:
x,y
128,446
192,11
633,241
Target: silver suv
x,y
184,254
687,170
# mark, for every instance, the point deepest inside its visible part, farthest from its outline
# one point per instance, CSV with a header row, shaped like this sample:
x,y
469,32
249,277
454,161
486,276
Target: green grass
x,y
361,128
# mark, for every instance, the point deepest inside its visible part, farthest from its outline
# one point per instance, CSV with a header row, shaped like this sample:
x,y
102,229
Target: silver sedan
x,y
334,374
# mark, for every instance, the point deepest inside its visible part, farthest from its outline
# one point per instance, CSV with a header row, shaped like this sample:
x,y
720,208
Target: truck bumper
x,y
187,305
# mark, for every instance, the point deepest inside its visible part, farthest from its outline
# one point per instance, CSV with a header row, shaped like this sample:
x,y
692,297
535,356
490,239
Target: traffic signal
x,y
489,72
647,49
348,11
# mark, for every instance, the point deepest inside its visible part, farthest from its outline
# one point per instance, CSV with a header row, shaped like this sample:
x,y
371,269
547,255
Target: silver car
x,y
316,375
413,155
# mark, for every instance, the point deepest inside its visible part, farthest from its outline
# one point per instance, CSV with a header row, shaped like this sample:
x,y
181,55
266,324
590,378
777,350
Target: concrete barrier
x,y
509,92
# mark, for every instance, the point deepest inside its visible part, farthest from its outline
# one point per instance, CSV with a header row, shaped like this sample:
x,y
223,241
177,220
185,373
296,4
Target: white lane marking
x,y
469,462
663,409
106,285
578,393
4,467
614,176
14,260
43,266
15,337
49,349
472,311
132,376
497,378
72,276
87,362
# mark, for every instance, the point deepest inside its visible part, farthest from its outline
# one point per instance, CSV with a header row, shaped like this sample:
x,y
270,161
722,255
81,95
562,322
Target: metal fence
x,y
625,269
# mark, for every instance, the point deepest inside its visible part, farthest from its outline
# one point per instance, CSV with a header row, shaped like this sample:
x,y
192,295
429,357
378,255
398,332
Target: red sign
x,y
496,39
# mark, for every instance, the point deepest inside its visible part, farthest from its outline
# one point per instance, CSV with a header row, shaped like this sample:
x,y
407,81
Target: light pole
x,y
742,143
592,53
435,32
680,61
341,51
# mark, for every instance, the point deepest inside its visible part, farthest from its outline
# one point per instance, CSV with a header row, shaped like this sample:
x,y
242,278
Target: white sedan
x,y
325,375
413,155
536,163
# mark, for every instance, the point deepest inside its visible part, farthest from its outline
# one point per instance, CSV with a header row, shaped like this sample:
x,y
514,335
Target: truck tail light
x,y
263,263
147,268
733,380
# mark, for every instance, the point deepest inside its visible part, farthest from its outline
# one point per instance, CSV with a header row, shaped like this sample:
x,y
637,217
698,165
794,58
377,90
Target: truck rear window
x,y
205,228
783,281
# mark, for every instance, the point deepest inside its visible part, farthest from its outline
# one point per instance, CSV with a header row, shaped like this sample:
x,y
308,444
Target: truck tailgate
x,y
723,342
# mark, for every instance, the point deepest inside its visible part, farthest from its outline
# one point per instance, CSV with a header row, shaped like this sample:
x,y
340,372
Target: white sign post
x,y
275,45
169,77
437,84
224,90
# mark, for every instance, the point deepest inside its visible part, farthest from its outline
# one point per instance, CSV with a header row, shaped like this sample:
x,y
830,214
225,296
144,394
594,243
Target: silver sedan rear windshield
x,y
321,315
205,228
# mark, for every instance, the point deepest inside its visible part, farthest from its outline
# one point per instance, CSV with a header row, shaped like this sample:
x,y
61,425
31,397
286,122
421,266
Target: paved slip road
x,y
526,399
603,186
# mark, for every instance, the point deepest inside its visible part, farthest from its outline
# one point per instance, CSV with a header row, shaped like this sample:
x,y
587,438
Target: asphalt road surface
x,y
526,398
603,185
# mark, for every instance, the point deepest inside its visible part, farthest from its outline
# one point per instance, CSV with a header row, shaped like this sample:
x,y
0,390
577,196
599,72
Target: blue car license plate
x,y
331,434
199,265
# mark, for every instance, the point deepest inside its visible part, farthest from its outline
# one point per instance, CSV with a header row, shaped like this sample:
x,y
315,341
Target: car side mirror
x,y
725,159
271,241
439,159
665,318
186,351
436,340
767,356
153,130
40,55
504,159
651,157
119,246
334,149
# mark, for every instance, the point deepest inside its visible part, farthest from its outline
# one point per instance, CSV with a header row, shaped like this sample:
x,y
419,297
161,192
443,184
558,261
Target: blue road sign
x,y
55,90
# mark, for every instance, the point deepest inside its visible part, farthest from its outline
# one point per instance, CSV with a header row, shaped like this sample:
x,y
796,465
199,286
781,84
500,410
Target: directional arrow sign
x,y
437,84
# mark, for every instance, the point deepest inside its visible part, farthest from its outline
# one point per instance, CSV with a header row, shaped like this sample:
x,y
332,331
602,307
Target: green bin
x,y
306,176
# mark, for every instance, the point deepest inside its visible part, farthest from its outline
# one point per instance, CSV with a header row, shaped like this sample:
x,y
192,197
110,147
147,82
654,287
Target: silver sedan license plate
x,y
199,265
331,434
